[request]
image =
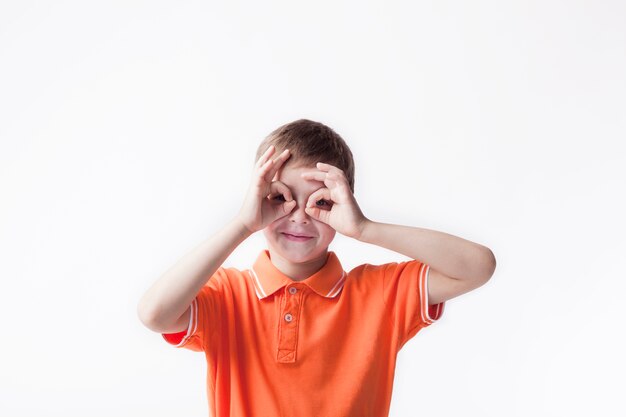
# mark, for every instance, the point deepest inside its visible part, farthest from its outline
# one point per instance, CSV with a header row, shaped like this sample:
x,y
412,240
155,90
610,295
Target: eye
x,y
323,203
279,197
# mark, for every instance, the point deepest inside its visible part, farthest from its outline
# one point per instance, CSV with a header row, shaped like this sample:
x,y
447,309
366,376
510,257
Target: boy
x,y
295,334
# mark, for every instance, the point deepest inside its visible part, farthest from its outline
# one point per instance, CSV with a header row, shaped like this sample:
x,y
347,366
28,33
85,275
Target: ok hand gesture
x,y
344,216
258,209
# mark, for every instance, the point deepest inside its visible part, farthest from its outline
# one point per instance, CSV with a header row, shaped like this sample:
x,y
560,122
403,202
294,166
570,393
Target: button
x,y
293,290
288,317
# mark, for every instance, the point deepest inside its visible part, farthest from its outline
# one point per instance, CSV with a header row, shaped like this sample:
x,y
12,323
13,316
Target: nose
x,y
298,215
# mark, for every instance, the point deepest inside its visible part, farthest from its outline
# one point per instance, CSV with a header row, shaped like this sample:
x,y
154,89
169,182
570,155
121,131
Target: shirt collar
x,y
267,279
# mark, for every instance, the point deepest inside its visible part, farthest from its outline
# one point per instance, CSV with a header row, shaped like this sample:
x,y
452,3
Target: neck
x,y
298,271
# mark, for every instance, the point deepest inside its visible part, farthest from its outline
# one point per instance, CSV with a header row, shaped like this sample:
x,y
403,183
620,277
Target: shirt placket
x,y
289,323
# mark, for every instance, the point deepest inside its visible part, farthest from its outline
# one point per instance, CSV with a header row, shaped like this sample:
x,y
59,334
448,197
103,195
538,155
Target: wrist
x,y
364,230
240,227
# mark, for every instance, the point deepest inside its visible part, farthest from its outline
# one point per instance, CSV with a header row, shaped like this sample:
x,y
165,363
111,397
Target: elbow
x,y
147,315
487,264
480,266
154,316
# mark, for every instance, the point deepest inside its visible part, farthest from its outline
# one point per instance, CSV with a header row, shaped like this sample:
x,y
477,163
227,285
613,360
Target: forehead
x,y
290,176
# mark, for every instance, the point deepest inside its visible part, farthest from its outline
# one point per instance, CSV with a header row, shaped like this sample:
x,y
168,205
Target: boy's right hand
x,y
261,206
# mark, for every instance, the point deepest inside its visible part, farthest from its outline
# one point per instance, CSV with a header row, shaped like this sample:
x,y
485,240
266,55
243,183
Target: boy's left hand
x,y
344,215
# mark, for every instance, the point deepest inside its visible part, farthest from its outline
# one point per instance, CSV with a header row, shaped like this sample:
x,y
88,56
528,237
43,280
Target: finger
x,y
314,175
331,170
277,187
262,171
327,167
318,214
278,162
330,179
321,194
263,159
281,210
285,208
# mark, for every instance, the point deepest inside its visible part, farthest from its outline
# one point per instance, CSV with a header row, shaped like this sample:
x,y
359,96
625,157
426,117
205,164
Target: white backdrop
x,y
128,131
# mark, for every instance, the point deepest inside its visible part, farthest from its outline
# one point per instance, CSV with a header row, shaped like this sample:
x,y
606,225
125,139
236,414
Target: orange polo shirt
x,y
322,347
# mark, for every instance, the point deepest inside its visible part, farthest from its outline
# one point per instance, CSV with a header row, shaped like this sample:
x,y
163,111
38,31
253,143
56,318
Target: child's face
x,y
316,235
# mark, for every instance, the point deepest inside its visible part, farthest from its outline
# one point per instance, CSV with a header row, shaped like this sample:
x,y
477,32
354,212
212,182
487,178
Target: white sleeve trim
x,y
423,285
193,323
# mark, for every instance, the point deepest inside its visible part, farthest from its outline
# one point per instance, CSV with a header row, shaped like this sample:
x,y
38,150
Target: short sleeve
x,y
405,292
204,318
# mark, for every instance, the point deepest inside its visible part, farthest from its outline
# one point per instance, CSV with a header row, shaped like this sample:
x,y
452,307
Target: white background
x,y
128,131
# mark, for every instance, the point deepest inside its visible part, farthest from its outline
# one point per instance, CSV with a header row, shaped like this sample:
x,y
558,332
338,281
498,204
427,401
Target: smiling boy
x,y
295,334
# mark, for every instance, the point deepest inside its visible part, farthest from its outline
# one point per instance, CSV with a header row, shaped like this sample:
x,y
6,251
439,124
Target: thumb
x,y
277,188
318,214
287,206
279,211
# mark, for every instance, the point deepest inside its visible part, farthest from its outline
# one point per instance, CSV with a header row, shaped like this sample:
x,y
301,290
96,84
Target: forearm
x,y
173,292
451,255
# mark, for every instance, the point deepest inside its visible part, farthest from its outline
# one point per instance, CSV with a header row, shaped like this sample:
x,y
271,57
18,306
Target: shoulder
x,y
227,275
225,279
369,276
369,269
239,282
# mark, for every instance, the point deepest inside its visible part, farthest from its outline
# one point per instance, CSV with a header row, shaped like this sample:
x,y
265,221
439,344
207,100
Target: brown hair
x,y
310,142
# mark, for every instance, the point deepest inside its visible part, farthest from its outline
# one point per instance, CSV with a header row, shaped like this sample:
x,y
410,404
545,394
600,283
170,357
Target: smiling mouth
x,y
296,238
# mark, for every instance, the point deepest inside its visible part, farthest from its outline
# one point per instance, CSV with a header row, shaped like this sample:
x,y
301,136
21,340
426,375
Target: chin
x,y
300,255
295,254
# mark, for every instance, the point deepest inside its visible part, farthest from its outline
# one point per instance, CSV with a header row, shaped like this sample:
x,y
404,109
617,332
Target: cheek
x,y
327,232
271,228
269,232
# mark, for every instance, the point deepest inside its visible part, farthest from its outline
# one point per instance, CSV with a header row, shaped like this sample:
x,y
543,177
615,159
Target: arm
x,y
456,265
165,306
